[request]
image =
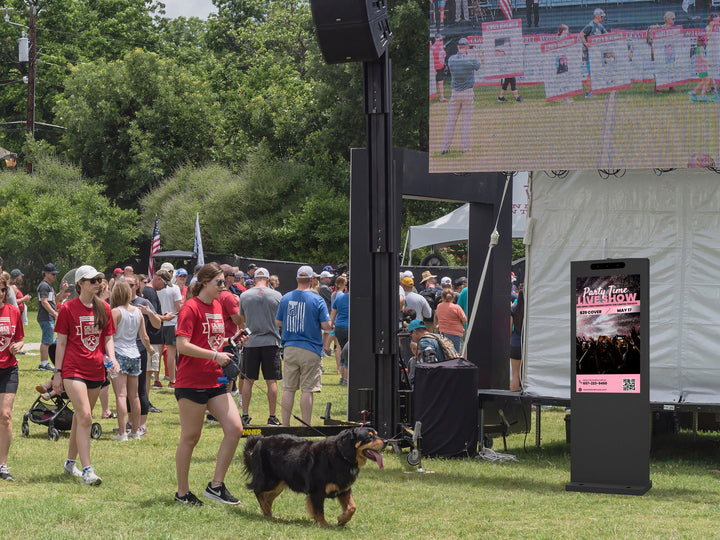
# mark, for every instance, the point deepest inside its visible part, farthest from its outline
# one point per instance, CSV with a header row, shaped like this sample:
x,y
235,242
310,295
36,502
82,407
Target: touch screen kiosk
x,y
610,386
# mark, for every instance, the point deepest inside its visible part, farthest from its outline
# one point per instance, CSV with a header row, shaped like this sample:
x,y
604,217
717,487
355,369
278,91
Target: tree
x,y
131,122
57,215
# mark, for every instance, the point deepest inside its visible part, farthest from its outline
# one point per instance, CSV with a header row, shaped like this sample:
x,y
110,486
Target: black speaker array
x,y
351,30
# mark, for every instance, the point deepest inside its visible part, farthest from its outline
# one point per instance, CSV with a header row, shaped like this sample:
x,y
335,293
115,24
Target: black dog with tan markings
x,y
321,469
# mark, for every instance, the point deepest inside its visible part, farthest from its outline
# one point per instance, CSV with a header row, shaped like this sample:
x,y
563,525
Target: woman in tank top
x,y
128,323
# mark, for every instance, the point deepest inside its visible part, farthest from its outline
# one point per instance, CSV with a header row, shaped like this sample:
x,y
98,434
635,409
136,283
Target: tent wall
x,y
673,220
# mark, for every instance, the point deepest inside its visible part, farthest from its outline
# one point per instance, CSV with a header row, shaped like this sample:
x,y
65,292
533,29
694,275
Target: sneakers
x,y
220,494
501,99
154,409
45,367
343,382
5,474
210,419
157,384
142,431
272,421
519,99
121,437
171,385
246,418
71,469
188,498
89,478
135,435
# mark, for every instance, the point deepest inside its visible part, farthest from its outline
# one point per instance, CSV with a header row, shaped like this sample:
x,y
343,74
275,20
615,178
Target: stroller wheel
x,y
25,429
53,434
95,431
413,457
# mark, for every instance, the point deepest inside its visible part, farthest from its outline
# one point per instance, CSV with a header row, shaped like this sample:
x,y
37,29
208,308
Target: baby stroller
x,y
55,413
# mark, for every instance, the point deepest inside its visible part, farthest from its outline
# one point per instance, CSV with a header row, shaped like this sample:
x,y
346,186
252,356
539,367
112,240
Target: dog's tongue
x,y
378,458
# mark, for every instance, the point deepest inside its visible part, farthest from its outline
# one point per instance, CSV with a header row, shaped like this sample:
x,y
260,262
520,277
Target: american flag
x,y
506,8
154,248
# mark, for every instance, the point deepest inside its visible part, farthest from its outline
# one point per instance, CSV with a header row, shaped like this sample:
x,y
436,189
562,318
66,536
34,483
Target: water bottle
x,y
108,367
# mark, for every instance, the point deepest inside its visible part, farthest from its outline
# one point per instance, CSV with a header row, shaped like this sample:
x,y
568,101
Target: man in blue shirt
x,y
462,69
303,315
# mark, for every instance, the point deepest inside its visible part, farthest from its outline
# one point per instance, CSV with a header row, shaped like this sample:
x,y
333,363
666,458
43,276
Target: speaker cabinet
x,y
351,30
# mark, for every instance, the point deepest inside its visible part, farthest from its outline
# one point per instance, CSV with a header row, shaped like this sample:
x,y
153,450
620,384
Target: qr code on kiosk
x,y
628,385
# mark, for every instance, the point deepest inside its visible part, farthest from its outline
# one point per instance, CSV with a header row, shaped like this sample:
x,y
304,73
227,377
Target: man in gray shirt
x,y
414,301
462,66
258,307
47,312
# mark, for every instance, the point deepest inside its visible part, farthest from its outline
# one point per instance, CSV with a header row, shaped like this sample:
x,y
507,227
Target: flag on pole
x,y
506,8
197,248
154,248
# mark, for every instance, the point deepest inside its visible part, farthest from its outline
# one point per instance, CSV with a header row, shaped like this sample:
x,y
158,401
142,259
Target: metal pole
x,y
32,57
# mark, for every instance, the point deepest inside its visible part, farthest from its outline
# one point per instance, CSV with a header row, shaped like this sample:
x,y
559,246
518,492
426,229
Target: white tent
x,y
674,221
452,228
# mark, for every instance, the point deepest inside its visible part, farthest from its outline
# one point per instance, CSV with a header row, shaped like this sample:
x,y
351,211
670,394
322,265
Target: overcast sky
x,y
189,8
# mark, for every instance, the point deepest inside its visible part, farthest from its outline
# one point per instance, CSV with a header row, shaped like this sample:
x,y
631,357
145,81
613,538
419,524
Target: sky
x,y
189,8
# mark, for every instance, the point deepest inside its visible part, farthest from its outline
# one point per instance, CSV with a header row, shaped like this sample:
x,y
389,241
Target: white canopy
x,y
452,228
673,220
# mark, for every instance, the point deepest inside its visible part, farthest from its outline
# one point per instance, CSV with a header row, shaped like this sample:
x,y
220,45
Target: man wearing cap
x,y
237,286
47,312
325,291
302,315
158,282
170,304
463,66
180,280
250,271
414,301
258,307
429,349
593,28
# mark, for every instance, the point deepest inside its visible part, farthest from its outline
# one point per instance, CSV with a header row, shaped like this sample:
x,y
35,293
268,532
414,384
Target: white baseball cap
x,y
446,281
325,274
87,272
261,273
408,273
306,272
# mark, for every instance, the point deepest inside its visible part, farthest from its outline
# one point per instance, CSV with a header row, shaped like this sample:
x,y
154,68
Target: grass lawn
x,y
460,499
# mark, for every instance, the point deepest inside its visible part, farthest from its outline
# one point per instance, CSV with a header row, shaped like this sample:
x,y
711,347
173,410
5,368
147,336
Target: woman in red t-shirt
x,y
200,335
11,341
84,330
449,319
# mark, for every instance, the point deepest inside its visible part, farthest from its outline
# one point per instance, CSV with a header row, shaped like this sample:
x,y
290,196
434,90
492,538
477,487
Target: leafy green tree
x,y
57,215
133,121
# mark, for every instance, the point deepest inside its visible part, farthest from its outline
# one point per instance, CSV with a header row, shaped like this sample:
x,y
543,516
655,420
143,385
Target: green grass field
x,y
650,130
466,498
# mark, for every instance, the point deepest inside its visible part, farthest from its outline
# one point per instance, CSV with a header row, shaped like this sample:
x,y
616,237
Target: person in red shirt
x,y
200,335
84,330
11,341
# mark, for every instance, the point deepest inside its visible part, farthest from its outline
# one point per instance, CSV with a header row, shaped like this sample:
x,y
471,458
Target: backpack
x,y
431,297
446,345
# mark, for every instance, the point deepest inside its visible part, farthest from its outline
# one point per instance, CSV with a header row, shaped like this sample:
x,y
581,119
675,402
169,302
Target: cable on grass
x,y
488,454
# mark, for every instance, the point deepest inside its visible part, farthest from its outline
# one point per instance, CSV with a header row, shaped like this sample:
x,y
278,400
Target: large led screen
x,y
581,86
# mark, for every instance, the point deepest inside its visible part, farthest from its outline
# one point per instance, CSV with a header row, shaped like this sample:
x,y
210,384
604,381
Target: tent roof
x,y
448,229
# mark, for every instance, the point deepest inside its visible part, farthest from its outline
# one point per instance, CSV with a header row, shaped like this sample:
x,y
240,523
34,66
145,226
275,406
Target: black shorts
x,y
168,334
200,395
515,352
90,384
9,380
440,74
268,357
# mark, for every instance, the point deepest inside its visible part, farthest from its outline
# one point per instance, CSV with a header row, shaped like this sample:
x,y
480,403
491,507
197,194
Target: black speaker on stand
x,y
351,31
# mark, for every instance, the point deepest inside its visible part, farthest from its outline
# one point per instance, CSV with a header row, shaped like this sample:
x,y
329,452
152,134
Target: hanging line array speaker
x,y
351,30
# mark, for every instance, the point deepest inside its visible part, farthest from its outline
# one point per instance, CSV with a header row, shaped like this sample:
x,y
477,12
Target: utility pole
x,y
32,58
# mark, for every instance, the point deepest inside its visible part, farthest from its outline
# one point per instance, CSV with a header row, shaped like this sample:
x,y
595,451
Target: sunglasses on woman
x,y
3,289
94,280
221,282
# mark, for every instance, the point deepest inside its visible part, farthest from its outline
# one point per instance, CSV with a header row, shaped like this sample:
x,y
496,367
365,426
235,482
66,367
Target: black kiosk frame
x,y
610,383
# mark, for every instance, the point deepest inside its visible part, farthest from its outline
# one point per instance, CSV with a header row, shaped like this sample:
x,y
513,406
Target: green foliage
x,y
270,209
56,215
131,122
518,249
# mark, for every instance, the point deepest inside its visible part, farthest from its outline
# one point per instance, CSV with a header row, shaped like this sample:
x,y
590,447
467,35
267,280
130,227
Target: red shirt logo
x,y
88,333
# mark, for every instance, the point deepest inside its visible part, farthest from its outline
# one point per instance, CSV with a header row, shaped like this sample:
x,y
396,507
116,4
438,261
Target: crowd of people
x,y
216,330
